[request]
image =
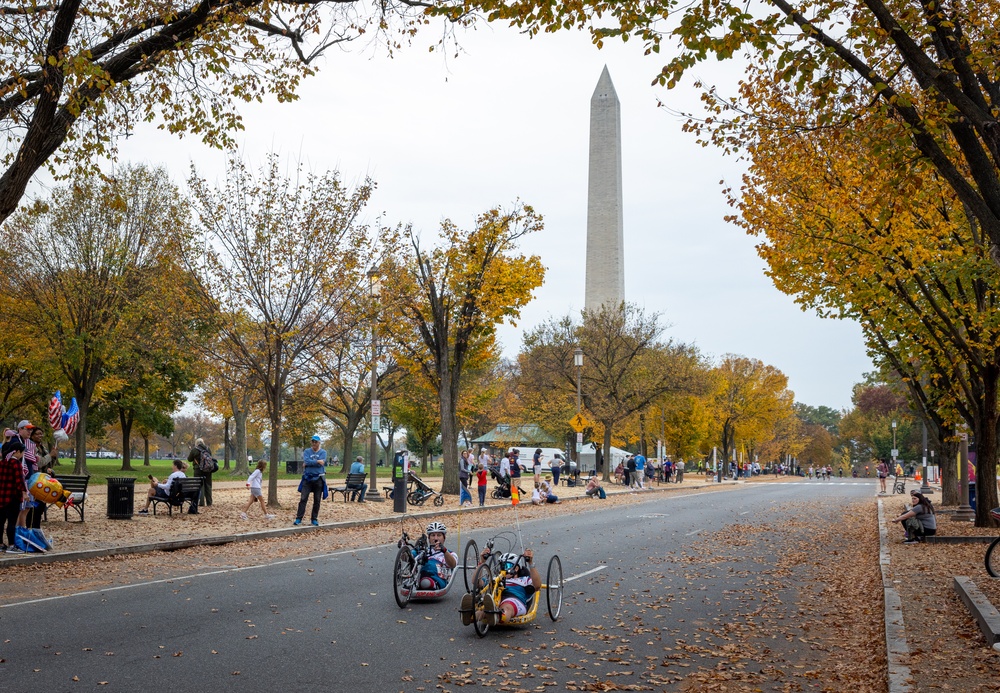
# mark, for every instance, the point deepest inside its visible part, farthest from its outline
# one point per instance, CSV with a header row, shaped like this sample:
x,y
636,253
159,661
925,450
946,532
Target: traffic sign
x,y
578,423
376,407
579,438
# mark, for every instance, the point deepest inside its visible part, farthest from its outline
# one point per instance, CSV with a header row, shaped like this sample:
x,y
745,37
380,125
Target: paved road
x,y
653,590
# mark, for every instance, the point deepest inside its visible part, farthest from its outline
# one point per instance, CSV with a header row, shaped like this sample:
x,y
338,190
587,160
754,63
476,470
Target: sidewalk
x,y
221,523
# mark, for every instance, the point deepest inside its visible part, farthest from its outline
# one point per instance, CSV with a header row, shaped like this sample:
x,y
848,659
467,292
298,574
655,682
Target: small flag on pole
x,y
514,498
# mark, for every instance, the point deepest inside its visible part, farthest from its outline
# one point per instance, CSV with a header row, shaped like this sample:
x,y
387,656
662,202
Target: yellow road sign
x,y
579,423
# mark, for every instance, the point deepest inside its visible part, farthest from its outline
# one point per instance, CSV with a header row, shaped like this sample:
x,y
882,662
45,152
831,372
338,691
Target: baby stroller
x,y
420,492
502,489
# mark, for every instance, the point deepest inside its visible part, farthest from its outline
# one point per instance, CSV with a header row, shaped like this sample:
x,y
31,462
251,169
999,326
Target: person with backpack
x,y
204,466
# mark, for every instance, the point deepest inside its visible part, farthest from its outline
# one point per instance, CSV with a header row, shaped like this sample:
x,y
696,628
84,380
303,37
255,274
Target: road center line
x,y
194,575
584,574
697,531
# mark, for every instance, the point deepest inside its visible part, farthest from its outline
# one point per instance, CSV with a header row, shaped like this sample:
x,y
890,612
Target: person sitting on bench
x,y
158,490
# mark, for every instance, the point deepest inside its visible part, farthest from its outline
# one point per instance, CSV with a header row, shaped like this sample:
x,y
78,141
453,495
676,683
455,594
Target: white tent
x,y
588,456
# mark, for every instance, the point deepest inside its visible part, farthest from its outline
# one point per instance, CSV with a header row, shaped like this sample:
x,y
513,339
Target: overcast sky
x,y
508,119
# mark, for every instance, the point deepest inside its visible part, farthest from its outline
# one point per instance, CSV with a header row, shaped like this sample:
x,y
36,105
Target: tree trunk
x,y
145,451
449,437
948,462
126,423
241,467
225,446
272,473
986,452
80,468
606,476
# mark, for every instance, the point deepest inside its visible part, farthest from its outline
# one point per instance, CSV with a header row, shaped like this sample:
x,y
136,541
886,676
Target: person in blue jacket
x,y
313,481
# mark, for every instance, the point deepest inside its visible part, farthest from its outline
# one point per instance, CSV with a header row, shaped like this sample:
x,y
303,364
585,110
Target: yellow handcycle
x,y
488,580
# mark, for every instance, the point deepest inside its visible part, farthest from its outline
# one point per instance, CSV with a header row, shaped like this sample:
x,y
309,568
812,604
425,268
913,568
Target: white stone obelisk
x,y
605,283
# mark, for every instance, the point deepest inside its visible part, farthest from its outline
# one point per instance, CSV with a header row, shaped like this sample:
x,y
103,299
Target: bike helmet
x,y
508,561
437,527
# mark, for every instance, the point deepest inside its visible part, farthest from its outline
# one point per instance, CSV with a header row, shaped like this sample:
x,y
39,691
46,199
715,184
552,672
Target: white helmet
x,y
437,527
508,561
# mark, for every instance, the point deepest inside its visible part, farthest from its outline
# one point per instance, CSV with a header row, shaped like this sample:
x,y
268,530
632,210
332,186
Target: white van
x,y
528,453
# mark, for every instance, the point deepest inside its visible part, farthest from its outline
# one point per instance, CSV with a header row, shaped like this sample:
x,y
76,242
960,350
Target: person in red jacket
x,y
13,491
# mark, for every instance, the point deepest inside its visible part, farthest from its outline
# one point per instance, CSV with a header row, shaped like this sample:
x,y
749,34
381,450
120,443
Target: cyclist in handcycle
x,y
434,573
520,583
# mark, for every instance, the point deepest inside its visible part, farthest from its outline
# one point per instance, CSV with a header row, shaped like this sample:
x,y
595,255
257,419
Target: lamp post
x,y
578,362
894,450
375,289
925,487
965,511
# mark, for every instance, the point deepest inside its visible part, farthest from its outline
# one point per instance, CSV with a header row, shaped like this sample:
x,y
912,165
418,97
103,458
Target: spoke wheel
x,y
403,577
993,558
415,498
439,500
469,562
482,584
554,588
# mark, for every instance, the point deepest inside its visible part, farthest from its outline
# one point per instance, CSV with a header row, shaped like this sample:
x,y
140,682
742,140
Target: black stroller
x,y
420,492
502,489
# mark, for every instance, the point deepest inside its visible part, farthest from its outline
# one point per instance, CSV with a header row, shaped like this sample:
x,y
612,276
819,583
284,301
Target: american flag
x,y
71,418
55,411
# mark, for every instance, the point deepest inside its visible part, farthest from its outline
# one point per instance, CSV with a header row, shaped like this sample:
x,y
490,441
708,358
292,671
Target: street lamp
x,y
578,362
375,289
925,487
894,450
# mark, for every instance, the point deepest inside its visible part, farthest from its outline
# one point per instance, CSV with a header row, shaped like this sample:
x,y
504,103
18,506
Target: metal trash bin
x,y
292,466
121,497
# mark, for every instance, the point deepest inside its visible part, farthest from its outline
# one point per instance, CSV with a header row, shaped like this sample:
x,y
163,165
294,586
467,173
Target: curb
x,y
979,606
46,558
958,540
896,647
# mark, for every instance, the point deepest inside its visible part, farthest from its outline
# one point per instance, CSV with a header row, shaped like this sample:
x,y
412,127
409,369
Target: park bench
x,y
351,484
77,485
182,491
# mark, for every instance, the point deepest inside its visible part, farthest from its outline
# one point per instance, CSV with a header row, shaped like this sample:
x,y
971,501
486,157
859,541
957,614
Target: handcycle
x,y
488,580
410,559
993,552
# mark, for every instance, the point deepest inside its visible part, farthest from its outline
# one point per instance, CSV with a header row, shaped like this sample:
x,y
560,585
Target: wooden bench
x,y
352,484
77,485
187,490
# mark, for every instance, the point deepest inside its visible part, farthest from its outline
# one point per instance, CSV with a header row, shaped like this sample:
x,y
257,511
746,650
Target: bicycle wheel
x,y
439,500
993,558
415,498
470,561
482,584
403,576
554,588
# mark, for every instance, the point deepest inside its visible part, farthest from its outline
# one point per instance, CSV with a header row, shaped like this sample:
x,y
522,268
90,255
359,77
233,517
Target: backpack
x,y
207,464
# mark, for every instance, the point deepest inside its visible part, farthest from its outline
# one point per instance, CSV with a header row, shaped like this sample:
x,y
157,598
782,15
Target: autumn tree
x,y
626,365
90,262
277,263
750,398
80,74
452,297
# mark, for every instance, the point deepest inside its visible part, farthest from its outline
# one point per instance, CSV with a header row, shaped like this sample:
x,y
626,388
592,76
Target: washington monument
x,y
605,236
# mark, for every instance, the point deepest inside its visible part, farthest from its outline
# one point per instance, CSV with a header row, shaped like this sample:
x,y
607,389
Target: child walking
x,y
256,495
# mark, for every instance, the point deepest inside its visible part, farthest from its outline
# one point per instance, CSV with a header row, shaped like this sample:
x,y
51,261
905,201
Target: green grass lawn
x,y
101,469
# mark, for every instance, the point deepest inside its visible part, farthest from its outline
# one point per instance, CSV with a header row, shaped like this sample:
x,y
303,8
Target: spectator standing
x,y
464,473
313,483
629,471
45,459
640,471
29,461
505,468
882,471
12,492
199,452
679,471
555,466
484,458
536,465
358,467
481,480
668,471
515,465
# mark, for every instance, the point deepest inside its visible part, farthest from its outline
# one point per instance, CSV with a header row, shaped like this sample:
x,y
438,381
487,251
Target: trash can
x,y
292,466
121,497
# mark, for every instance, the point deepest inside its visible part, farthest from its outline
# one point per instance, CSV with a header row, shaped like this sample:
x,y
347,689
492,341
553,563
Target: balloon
x,y
47,490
